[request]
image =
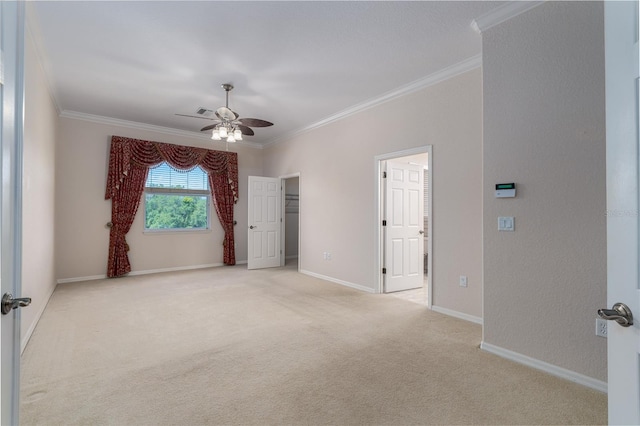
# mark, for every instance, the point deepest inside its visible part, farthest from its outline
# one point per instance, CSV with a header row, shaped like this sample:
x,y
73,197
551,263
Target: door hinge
x,y
384,175
384,223
384,270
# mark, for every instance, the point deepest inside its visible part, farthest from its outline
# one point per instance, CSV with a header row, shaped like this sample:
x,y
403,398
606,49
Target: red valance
x,y
129,163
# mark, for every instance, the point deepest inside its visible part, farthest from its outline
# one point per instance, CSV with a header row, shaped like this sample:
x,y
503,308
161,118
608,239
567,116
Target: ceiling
x,y
292,63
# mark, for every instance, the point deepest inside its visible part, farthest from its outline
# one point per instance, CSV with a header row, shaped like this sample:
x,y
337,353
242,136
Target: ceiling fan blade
x,y
246,131
254,122
209,127
224,113
196,116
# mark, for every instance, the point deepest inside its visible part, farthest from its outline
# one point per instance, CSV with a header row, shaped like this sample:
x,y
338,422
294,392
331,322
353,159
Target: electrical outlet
x,y
601,327
463,280
328,255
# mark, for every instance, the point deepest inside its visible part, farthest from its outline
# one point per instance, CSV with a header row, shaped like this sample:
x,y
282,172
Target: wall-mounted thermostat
x,y
505,190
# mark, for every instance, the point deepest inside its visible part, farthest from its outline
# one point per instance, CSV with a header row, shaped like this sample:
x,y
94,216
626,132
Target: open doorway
x,y
407,275
291,221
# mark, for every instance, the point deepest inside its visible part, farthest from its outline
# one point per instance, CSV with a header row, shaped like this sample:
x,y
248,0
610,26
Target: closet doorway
x,y
291,221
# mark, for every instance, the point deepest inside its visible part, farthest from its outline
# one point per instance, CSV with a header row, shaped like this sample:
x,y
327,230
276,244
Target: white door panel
x,y
404,211
414,210
11,124
271,244
264,222
397,258
415,257
623,344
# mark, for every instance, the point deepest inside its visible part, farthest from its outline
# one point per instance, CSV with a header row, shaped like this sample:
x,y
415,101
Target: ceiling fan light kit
x,y
229,126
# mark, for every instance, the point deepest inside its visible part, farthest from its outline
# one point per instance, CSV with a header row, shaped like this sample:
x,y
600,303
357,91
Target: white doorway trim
x,y
378,208
284,218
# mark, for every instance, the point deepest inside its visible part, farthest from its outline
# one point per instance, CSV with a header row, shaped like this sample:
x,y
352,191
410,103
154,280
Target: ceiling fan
x,y
228,125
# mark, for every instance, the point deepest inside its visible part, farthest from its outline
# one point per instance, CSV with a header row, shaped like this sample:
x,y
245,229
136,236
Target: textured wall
x,y
544,124
338,186
81,211
38,226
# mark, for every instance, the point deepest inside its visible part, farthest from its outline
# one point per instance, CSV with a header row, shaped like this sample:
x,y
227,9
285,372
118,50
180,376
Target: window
x,y
176,200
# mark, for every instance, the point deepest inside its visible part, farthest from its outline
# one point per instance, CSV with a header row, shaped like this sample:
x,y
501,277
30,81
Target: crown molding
x,y
501,14
417,85
99,119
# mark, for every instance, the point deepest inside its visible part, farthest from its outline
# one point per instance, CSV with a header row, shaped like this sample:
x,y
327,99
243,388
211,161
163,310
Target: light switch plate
x,y
506,223
463,281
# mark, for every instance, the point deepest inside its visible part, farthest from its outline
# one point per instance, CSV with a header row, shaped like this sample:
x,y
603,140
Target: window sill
x,y
175,231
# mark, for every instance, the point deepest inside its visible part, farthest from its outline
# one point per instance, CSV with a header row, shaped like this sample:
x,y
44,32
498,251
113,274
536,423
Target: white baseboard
x,y
177,268
27,336
149,271
546,367
77,279
337,281
457,314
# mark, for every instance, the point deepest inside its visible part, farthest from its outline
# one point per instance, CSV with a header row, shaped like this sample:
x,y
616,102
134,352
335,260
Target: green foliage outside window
x,y
176,199
168,211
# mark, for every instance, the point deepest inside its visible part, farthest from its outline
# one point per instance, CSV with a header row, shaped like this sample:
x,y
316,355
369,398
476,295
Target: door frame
x,y
283,223
379,209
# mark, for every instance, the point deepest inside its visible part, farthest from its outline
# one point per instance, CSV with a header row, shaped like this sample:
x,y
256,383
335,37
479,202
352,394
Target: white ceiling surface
x,y
292,63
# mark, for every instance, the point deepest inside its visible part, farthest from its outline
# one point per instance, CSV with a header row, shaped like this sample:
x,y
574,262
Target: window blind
x,y
426,193
165,176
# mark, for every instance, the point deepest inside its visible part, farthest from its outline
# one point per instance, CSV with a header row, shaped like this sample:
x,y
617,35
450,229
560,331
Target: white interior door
x,y
621,53
11,124
404,233
265,201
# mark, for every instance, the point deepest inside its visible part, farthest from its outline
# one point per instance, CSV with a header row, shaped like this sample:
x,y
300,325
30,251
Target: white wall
x,y
38,222
82,239
336,163
544,128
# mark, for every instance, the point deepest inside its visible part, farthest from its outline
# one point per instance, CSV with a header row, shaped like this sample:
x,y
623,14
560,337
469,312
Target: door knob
x,y
251,227
8,303
421,232
620,314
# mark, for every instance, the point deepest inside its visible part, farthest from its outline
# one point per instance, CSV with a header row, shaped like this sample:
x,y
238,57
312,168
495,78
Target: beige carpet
x,y
237,347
